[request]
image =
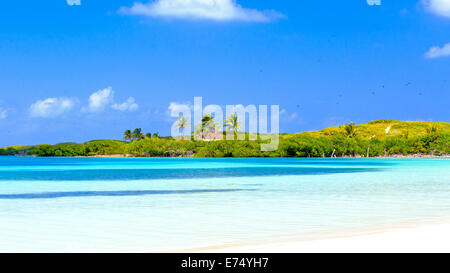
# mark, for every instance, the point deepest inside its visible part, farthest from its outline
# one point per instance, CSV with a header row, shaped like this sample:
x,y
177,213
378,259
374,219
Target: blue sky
x,y
90,71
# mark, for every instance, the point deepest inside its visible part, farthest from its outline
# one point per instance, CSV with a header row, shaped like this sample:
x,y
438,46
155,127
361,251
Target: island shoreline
x,y
348,157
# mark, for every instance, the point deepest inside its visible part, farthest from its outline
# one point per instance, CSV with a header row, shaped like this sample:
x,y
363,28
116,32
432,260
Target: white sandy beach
x,y
433,237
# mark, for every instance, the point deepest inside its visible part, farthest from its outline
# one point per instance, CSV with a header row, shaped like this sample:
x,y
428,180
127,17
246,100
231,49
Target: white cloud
x,y
128,105
104,98
216,10
3,113
100,99
52,107
436,52
74,2
439,7
175,106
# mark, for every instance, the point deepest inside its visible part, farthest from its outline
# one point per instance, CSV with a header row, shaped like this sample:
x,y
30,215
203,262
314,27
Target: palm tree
x,y
198,130
127,135
406,134
350,130
211,126
182,124
232,123
432,129
206,119
137,134
206,125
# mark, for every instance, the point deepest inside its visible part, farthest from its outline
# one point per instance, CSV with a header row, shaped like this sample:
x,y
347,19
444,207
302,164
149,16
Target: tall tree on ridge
x,y
127,135
182,124
137,134
232,123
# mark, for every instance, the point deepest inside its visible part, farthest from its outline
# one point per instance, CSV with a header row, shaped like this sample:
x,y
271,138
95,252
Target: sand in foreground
x,y
425,238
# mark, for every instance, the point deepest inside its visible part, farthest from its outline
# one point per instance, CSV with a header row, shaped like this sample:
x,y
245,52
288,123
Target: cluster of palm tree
x,y
137,134
208,125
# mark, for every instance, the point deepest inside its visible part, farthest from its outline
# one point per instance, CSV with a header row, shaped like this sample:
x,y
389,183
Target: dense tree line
x,y
299,145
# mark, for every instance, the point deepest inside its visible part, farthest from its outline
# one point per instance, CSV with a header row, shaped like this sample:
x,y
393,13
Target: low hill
x,y
385,128
373,139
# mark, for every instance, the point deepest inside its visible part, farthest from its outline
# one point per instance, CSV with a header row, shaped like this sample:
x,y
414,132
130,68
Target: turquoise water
x,y
133,204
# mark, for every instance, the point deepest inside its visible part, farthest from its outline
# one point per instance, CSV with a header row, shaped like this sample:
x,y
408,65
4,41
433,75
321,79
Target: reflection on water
x,y
108,193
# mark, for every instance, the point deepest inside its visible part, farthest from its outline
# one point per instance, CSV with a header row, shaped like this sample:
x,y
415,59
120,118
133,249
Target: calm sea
x,y
133,204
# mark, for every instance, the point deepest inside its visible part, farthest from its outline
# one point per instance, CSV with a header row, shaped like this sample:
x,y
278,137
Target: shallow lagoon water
x,y
137,204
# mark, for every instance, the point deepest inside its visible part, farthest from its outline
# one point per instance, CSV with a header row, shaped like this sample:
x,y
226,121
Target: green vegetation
x,y
373,139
